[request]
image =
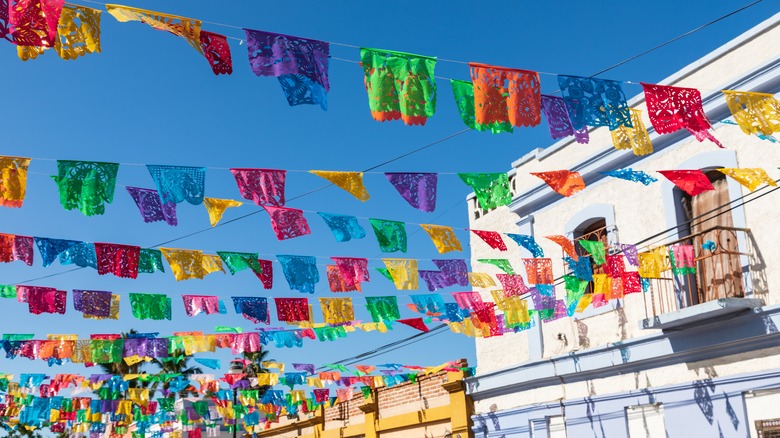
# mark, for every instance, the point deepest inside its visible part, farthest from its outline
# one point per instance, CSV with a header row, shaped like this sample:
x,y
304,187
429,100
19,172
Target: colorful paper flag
x,y
564,182
351,182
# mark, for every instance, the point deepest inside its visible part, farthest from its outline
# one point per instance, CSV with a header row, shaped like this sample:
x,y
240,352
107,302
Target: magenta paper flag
x,y
261,186
513,284
288,223
468,300
195,304
418,189
353,270
46,300
13,247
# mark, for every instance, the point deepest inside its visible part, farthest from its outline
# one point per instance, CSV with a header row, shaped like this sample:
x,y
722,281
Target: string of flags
x,y
401,86
98,403
88,186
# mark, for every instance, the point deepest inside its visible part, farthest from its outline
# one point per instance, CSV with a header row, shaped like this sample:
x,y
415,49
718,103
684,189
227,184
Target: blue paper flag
x,y
209,363
300,271
629,174
179,183
529,243
344,228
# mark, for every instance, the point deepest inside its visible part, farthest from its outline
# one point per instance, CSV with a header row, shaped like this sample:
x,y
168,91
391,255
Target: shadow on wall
x,y
757,267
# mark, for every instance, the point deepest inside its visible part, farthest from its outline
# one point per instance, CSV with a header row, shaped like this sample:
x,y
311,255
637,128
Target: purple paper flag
x,y
151,207
304,367
418,189
455,269
92,302
435,280
555,111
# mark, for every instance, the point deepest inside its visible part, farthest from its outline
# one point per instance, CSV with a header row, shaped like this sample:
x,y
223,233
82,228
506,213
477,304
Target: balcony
x,y
726,262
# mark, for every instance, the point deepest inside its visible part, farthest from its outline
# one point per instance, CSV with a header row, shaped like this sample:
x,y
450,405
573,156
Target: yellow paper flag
x,y
755,113
750,178
187,28
443,237
13,181
337,310
404,273
352,182
480,279
216,208
187,264
635,138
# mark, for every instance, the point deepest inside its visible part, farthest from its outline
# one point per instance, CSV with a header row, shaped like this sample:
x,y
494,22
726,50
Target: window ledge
x,y
700,312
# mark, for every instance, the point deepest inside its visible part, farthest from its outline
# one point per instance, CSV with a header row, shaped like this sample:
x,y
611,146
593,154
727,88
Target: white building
x,y
689,357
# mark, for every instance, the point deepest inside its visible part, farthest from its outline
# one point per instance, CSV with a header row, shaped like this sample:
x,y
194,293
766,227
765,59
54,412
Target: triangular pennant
x,y
415,323
491,189
692,182
492,238
750,178
755,113
216,208
566,244
502,264
443,237
351,182
595,249
564,182
418,189
187,28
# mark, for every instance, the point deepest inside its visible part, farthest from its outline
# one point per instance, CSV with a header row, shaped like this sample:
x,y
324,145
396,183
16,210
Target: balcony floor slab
x,y
700,312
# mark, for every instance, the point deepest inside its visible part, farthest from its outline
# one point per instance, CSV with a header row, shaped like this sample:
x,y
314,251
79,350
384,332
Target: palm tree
x,y
181,366
255,367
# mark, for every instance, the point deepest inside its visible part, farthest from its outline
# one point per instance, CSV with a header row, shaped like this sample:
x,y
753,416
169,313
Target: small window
x,y
762,413
556,427
646,421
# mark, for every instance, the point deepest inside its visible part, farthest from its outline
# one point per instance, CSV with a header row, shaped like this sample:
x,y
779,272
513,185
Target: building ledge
x,y
700,312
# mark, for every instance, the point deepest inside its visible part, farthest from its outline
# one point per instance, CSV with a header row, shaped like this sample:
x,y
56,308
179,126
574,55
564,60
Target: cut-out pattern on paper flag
x,y
454,270
560,125
491,189
492,238
150,306
120,260
196,304
266,276
566,244
418,189
353,270
391,235
13,181
150,261
399,85
595,102
292,309
86,186
682,259
505,95
463,92
187,28
403,272
33,22
151,207
343,228
13,247
750,178
428,303
595,249
300,271
614,266
631,282
443,237
288,223
44,299
539,271
433,279
351,182
673,108
216,208
383,309
92,302
691,182
529,243
254,309
755,113
635,138
512,284
502,264
652,263
581,267
238,261
575,290
187,264
81,254
217,52
480,279
338,283
300,64
261,186
177,184
564,182
630,252
78,33
629,174
337,310
50,249
468,300
113,311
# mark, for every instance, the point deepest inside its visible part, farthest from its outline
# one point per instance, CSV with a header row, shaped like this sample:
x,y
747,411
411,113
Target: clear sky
x,y
151,99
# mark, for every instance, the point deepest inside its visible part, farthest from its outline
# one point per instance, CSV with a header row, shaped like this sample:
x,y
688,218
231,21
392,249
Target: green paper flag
x,y
150,261
151,306
106,351
575,289
238,261
463,91
17,336
502,264
383,309
86,185
596,250
391,235
399,85
366,390
386,273
337,367
491,189
7,291
330,333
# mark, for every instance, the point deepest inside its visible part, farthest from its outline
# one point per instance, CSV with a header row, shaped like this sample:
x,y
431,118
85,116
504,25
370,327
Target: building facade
x,y
435,406
692,355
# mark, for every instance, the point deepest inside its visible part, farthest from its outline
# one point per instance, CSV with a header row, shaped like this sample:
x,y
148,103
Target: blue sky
x,y
151,99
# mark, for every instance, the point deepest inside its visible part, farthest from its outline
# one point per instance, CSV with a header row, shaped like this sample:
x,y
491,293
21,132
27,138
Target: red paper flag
x,y
414,323
292,309
674,108
267,273
217,51
120,260
564,182
492,238
691,182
